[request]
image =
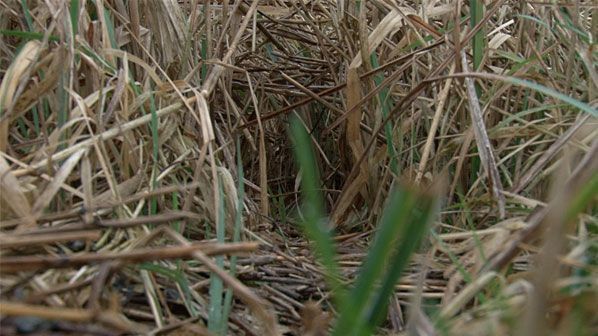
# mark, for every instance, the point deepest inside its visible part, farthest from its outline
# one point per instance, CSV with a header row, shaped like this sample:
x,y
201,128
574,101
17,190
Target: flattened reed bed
x,y
149,182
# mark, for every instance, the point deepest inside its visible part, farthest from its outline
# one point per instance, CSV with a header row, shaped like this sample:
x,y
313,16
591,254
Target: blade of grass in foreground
x,y
348,322
584,197
403,225
413,230
313,225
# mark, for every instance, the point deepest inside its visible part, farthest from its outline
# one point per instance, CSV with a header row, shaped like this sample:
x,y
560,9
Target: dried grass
x,y
118,127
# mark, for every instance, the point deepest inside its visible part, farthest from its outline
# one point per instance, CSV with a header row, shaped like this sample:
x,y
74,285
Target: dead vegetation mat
x,y
126,127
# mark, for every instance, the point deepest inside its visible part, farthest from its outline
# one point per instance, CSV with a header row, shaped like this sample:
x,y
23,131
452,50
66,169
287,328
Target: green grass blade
x,y
27,14
177,276
176,206
586,196
185,287
204,56
414,227
537,87
28,35
385,107
373,267
519,115
62,96
313,226
74,12
228,298
155,151
553,93
110,29
477,14
215,320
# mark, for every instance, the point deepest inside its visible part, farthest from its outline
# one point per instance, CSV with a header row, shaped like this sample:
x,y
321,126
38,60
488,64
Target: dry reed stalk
x,y
28,263
484,146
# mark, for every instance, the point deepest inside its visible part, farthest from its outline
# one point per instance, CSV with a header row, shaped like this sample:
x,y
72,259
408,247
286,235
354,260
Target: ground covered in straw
x,y
149,183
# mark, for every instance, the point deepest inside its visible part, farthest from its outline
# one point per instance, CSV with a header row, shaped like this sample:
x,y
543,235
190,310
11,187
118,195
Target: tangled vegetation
x,y
305,167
